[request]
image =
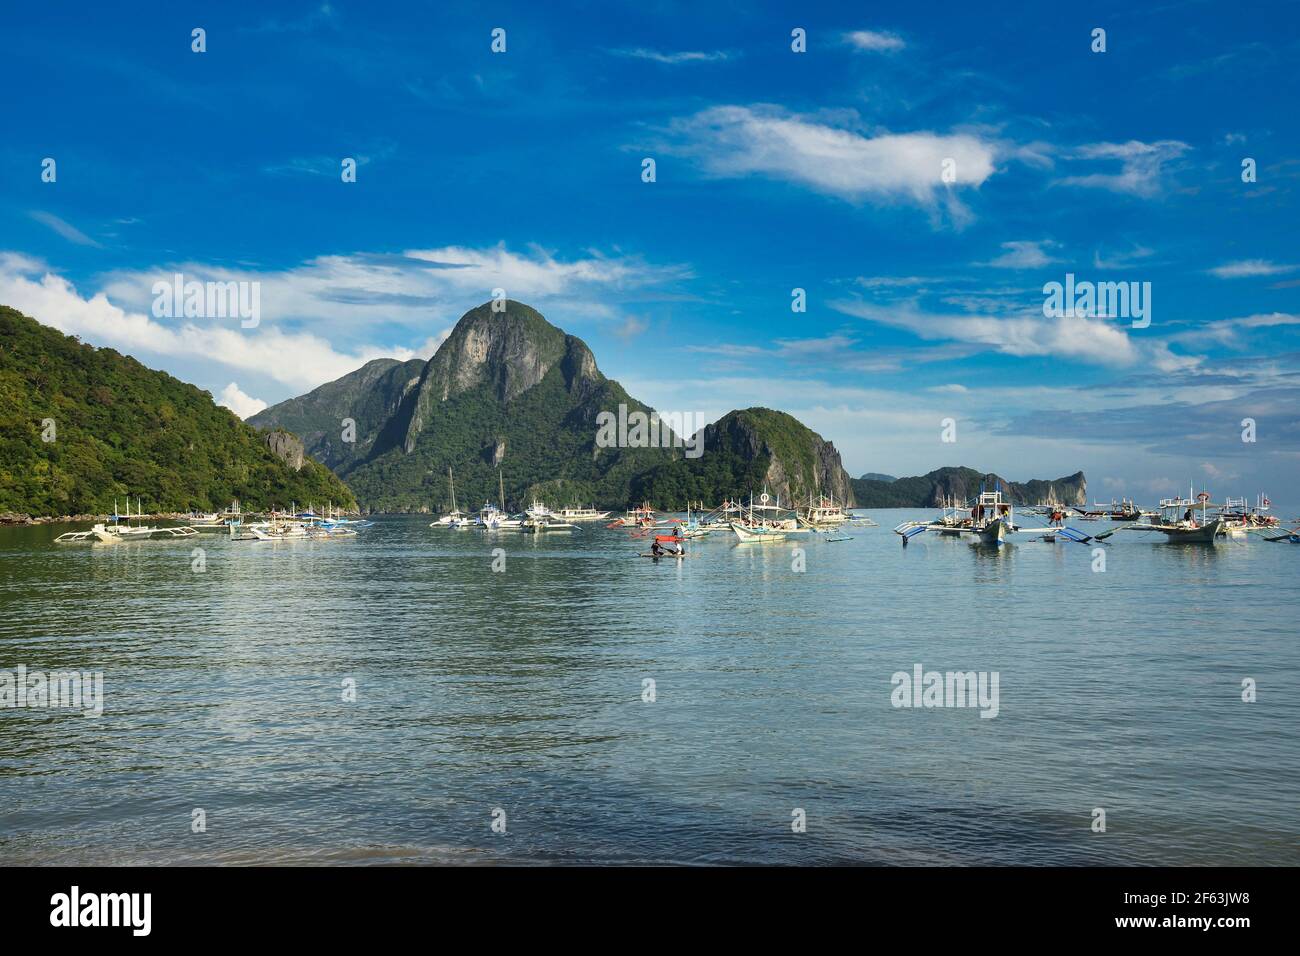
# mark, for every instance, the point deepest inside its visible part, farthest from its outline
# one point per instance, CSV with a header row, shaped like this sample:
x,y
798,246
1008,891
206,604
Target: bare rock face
x,y
511,351
288,448
340,421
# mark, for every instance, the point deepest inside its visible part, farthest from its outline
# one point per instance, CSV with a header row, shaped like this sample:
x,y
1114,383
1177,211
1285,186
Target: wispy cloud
x,y
328,165
1024,254
1142,166
322,16
65,229
675,58
739,141
1025,334
1121,260
874,41
1250,268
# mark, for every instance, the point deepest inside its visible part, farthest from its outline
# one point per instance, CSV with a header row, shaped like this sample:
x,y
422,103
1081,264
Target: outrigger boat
x,y
762,521
1123,510
991,519
105,533
216,520
1240,520
824,514
492,518
539,518
574,513
1178,521
642,517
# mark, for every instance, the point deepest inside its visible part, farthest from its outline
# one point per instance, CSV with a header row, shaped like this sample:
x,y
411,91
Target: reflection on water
x,y
523,690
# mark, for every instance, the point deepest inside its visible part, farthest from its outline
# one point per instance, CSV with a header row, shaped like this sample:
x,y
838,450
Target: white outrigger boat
x,y
492,518
824,514
1239,519
539,518
575,513
105,533
990,520
216,520
763,521
1178,521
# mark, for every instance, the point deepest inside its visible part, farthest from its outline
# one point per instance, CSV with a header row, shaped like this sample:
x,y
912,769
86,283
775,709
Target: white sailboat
x,y
455,518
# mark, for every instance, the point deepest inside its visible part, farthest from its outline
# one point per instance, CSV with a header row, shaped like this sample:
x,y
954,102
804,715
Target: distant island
x,y
945,484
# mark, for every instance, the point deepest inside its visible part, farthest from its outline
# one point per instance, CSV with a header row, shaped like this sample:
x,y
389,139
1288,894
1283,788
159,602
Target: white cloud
x,y
238,402
673,59
738,141
1249,268
1142,165
874,41
631,328
330,315
1263,321
1024,254
299,360
1121,260
346,297
1086,339
64,229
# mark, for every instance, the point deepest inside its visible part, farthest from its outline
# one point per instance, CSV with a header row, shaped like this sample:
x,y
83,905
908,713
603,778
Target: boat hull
x,y
761,534
994,533
1205,534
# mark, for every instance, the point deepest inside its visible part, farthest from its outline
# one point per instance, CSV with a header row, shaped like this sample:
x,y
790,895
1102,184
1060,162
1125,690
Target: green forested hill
x,y
506,389
748,451
510,393
123,430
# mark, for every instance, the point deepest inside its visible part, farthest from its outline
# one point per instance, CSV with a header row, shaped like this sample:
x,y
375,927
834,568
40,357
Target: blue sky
x,y
775,170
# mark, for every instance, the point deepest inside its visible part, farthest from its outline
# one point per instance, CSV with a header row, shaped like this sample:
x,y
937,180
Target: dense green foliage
x,y
509,394
740,450
122,430
368,397
717,475
545,438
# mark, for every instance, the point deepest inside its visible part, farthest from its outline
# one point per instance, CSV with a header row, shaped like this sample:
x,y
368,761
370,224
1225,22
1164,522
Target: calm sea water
x,y
522,690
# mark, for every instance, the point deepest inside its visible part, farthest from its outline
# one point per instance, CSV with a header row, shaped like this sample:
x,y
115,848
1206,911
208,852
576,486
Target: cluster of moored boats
x,y
273,525
762,520
991,519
